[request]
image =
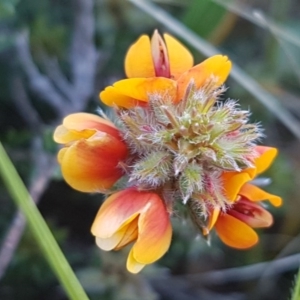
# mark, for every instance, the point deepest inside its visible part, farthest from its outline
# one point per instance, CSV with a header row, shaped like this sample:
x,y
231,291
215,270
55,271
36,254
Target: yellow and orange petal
x,y
82,125
217,66
132,215
85,165
129,92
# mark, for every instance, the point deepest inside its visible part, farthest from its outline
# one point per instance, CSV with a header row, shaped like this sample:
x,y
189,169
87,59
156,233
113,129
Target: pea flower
x,y
177,145
89,140
132,215
235,226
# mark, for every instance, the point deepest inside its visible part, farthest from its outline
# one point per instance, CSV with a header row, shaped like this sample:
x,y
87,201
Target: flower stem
x,y
41,231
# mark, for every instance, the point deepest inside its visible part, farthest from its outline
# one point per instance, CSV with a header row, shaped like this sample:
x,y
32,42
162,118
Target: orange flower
x,y
136,91
89,140
157,58
134,216
234,227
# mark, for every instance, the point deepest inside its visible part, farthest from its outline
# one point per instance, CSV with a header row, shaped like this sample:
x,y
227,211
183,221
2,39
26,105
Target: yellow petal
x,y
217,66
132,265
130,233
138,60
235,233
81,121
254,193
265,159
62,135
91,165
119,239
128,92
180,58
82,125
61,154
109,243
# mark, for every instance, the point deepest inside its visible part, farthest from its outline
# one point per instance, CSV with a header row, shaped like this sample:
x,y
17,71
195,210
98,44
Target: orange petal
x,y
91,165
232,183
265,159
254,193
251,213
138,60
112,97
127,92
235,233
218,66
180,58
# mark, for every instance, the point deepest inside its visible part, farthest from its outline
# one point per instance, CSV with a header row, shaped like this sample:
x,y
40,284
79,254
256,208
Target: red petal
x,y
251,213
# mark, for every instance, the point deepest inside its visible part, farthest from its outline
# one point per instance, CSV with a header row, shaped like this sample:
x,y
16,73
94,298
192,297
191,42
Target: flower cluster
x,y
174,143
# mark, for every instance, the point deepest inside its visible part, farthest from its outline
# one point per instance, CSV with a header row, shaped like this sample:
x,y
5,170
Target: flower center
x,y
186,146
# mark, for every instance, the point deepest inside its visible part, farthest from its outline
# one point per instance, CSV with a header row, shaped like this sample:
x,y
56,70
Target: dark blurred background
x,y
55,57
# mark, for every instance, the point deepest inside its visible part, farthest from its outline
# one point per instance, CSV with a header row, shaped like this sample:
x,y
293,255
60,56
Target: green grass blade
x,y
41,231
296,291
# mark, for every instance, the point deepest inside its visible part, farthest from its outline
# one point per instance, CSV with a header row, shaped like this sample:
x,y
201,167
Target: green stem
x,y
296,291
41,231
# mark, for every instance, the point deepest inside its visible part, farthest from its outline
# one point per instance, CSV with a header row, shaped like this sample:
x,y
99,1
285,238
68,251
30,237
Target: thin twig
x,y
22,102
251,272
83,53
55,74
39,83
